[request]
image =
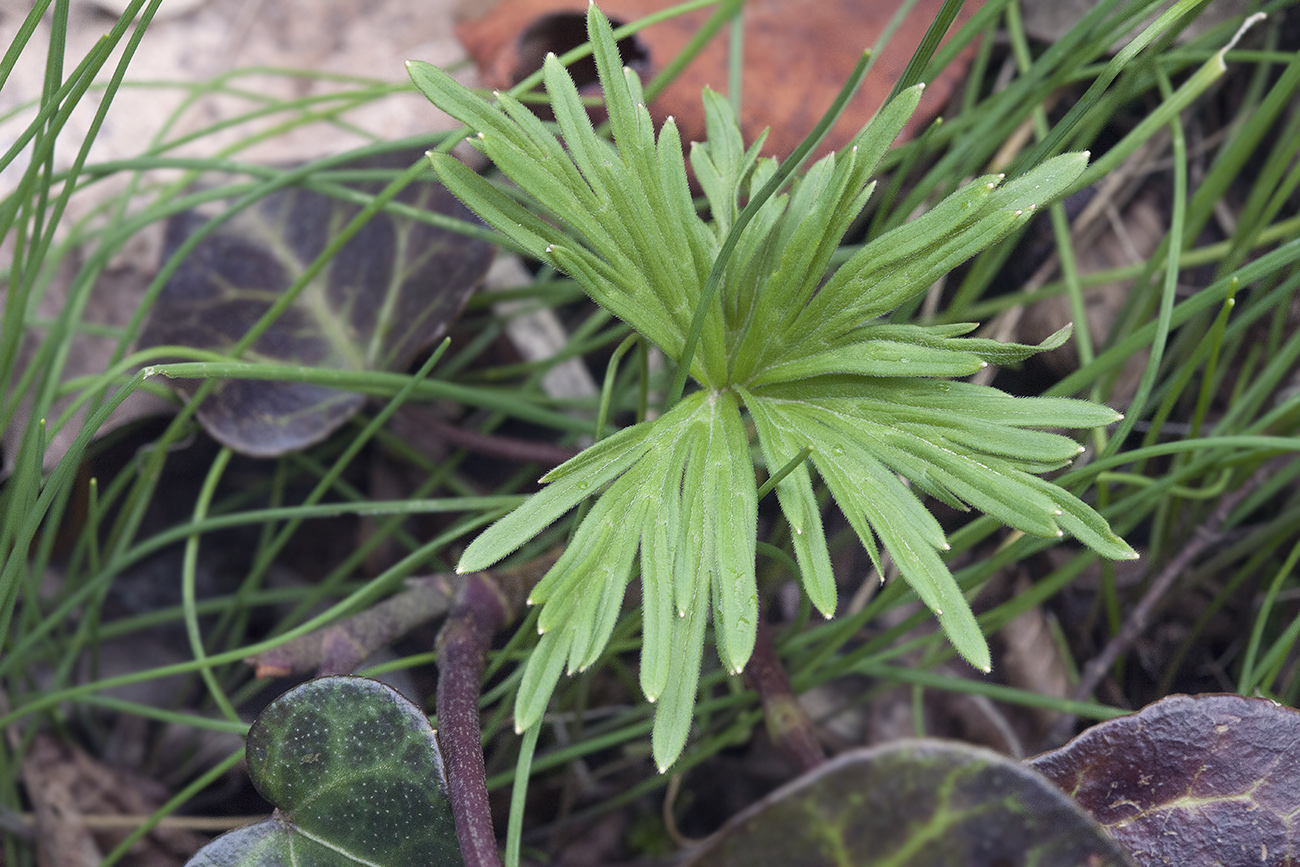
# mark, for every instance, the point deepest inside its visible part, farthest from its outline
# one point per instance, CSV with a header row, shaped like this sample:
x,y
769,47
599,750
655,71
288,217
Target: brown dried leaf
x,y
50,775
797,56
79,802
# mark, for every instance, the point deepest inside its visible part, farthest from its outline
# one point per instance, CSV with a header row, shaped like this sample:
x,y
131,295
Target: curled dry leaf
x,y
797,56
1191,780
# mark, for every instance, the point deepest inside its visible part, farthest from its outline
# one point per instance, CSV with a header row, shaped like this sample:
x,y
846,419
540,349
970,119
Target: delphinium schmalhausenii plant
x,y
744,300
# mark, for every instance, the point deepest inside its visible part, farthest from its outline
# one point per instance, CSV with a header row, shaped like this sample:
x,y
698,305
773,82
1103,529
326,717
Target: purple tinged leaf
x,y
1191,780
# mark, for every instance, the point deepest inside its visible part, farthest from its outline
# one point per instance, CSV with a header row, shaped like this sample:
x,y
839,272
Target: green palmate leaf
x,y
658,566
573,481
729,485
356,776
677,702
799,504
802,351
545,665
877,358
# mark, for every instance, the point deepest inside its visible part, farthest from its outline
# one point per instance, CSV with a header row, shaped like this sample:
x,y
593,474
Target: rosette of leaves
x,y
808,356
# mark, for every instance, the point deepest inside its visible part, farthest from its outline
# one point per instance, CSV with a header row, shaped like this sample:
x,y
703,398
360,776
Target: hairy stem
x,y
462,651
787,722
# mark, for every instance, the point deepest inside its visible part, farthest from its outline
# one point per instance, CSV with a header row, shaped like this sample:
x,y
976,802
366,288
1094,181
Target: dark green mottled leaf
x,y
356,776
390,292
914,804
1191,780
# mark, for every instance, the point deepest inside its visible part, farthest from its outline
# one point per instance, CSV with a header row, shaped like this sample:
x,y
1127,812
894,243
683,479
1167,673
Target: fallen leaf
x,y
50,775
1191,780
79,802
797,56
388,293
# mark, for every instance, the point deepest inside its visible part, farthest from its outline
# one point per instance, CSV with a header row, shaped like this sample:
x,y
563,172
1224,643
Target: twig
x,y
341,647
1207,535
426,429
787,722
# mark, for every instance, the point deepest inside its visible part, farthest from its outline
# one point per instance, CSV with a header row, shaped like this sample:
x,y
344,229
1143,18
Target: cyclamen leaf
x,y
383,297
356,777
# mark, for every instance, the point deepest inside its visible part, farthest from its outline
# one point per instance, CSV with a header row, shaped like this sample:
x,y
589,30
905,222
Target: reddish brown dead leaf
x,y
797,56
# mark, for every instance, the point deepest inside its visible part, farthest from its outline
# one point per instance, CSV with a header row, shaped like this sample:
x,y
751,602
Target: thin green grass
x,y
1212,401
